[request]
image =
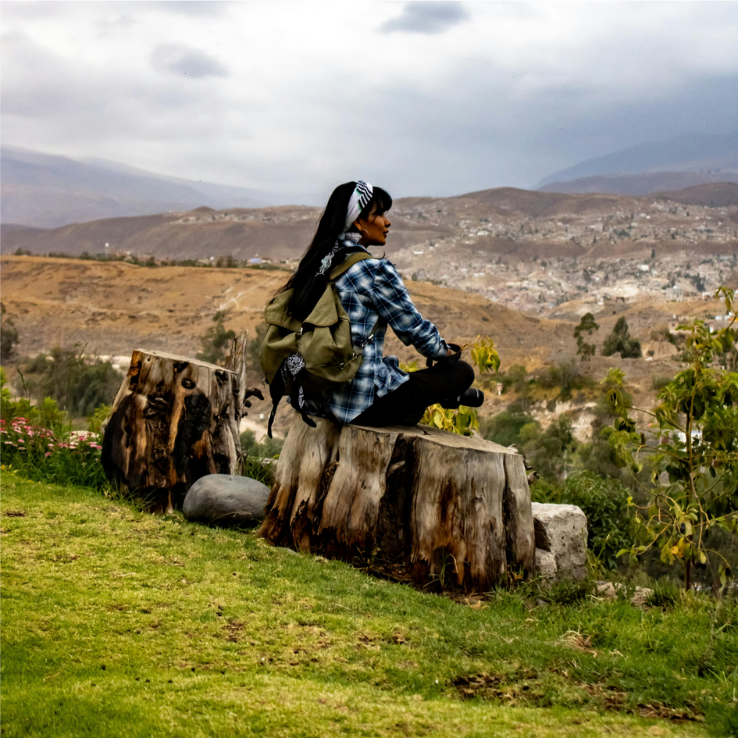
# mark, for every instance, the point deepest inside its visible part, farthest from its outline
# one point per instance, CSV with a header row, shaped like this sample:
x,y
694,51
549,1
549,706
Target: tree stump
x,y
414,503
173,421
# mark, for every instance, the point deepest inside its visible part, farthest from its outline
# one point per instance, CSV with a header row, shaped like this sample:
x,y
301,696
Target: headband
x,y
358,201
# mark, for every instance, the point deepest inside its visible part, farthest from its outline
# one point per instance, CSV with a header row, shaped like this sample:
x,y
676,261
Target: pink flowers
x,y
39,445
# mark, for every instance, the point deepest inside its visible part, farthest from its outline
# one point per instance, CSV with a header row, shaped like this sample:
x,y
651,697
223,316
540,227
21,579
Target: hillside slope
x,y
114,307
640,184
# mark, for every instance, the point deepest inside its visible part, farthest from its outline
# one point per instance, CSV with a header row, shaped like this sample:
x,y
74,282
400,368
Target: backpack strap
x,y
345,265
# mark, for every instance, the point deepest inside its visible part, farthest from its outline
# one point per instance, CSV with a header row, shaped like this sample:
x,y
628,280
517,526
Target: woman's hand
x,y
453,353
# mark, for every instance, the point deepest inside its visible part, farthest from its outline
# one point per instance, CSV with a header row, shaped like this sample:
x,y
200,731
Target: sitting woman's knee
x,y
463,374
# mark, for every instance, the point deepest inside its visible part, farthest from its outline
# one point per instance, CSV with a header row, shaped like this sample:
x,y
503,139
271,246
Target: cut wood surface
x,y
411,502
173,421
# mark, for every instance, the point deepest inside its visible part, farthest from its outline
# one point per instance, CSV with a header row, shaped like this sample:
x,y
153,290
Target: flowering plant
x,y
38,453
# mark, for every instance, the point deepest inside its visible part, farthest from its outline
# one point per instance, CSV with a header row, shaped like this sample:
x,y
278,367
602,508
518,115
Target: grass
x,y
120,623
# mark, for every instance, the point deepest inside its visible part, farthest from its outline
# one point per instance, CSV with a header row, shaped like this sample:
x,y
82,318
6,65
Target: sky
x,y
422,98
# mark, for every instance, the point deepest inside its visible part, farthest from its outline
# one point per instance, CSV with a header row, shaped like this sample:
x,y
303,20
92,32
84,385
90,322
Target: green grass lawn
x,y
120,623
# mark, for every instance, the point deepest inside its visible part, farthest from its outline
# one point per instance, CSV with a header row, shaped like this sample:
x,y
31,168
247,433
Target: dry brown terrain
x,y
114,307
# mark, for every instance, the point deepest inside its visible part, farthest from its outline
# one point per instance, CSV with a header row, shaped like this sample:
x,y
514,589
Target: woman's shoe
x,y
471,397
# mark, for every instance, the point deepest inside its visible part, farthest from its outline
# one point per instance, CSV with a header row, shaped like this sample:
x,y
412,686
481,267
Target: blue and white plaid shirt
x,y
372,289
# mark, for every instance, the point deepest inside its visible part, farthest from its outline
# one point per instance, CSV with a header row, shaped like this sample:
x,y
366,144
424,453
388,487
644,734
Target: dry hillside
x,y
114,307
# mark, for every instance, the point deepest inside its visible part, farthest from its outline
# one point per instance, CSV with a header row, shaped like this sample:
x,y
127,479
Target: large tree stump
x,y
173,421
415,503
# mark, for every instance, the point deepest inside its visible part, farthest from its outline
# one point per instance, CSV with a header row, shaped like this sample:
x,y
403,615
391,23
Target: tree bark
x,y
413,503
173,421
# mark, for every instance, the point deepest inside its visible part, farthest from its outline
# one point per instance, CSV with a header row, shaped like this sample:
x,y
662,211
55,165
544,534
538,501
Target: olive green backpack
x,y
323,340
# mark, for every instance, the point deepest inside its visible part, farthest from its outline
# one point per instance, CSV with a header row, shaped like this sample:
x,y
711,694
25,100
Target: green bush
x,y
215,341
604,502
549,451
267,448
77,383
504,428
37,453
621,342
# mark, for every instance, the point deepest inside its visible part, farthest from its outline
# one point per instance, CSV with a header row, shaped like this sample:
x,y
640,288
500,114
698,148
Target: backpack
x,y
301,358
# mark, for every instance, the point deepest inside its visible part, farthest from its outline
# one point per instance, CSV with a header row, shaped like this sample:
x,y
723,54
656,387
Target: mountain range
x,y
655,166
48,191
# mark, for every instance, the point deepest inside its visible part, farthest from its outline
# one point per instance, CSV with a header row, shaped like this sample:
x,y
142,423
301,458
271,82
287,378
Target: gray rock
x,y
561,530
226,500
546,564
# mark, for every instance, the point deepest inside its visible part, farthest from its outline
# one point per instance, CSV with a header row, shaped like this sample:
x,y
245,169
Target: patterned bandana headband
x,y
358,201
359,198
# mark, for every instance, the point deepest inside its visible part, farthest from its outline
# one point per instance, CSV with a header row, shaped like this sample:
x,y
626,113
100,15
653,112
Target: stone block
x,y
561,530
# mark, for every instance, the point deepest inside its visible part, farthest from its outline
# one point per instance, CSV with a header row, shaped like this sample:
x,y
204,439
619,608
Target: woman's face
x,y
373,227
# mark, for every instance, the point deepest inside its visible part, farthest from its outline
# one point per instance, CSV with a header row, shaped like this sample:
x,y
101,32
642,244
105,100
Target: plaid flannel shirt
x,y
372,289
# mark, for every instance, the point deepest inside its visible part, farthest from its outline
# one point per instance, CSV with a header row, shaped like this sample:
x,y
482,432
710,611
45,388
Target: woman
x,y
374,296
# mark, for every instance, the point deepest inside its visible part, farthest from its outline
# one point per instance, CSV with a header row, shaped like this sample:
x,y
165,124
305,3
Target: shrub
x,y
620,341
38,454
8,336
215,341
604,502
504,428
77,383
547,451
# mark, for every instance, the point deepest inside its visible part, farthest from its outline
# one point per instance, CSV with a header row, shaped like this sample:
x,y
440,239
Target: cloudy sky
x,y
424,98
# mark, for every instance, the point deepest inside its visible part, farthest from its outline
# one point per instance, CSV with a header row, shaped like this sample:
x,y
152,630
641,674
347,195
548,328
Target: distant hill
x,y
50,191
718,195
707,154
639,184
283,233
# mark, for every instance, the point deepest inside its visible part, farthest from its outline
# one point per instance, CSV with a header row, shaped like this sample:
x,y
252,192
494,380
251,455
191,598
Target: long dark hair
x,y
306,283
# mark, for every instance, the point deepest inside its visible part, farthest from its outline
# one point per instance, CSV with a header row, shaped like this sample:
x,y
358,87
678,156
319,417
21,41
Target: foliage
x,y
266,448
586,325
8,336
695,444
215,341
564,374
253,348
620,341
504,428
36,453
293,645
45,413
259,457
463,420
598,455
96,420
604,502
78,383
549,452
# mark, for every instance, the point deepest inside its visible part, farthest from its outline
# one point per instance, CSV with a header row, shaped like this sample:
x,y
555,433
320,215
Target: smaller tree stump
x,y
415,503
173,421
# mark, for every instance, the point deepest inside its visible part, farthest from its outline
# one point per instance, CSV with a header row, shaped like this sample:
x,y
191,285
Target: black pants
x,y
443,383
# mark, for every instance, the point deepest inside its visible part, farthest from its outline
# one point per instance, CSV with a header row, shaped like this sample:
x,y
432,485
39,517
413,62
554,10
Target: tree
x,y
8,336
79,384
549,453
695,446
620,341
215,341
586,325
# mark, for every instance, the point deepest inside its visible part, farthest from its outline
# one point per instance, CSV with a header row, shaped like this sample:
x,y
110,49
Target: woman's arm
x,y
393,303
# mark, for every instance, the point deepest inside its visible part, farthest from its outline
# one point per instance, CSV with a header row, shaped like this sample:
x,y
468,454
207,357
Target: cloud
x,y
193,63
426,17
